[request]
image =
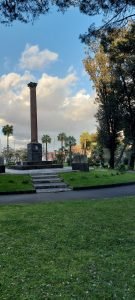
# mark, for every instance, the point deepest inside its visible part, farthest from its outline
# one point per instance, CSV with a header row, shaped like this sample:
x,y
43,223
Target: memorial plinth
x,y
34,149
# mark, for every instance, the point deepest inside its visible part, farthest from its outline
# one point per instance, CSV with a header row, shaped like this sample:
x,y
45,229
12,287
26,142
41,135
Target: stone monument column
x,y
34,149
33,112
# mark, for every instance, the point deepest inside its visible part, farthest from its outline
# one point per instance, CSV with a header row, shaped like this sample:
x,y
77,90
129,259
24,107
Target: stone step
x,y
53,190
38,176
47,180
50,185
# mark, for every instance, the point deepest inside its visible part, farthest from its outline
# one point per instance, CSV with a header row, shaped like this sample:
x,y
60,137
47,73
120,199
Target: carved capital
x,y
32,85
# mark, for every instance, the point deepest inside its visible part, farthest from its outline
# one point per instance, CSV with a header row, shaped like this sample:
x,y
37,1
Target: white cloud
x,y
58,109
32,58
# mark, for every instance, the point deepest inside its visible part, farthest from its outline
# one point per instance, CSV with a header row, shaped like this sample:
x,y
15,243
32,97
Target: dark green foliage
x,y
122,168
113,73
120,46
69,143
120,11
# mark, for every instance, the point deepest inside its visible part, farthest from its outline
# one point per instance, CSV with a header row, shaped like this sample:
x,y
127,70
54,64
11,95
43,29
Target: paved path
x,y
70,195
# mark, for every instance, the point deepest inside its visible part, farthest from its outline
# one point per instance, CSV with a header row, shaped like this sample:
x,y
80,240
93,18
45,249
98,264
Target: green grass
x,y
70,250
96,177
15,183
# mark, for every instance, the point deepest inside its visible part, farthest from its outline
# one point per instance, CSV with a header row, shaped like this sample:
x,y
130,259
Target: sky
x,y
50,53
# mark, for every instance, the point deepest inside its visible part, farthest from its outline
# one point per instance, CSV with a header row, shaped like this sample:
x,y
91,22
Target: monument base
x,y
36,166
34,152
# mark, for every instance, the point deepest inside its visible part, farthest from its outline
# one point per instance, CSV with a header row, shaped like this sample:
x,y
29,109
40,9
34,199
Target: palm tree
x,y
45,140
7,131
70,141
62,138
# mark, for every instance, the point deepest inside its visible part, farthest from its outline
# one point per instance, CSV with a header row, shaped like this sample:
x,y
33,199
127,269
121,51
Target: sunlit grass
x,y
15,183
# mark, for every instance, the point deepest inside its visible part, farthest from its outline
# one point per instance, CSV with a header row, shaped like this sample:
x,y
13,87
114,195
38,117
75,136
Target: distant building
x,y
50,156
77,149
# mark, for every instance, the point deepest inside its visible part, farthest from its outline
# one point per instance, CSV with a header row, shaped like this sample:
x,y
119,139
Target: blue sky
x,y
66,104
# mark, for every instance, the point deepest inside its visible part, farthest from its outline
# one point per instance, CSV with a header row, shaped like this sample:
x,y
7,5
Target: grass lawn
x,y
68,250
15,183
96,177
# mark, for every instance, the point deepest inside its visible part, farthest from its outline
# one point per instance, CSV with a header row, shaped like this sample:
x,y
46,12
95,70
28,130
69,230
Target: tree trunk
x,y
131,162
132,158
70,155
112,156
121,154
46,152
7,149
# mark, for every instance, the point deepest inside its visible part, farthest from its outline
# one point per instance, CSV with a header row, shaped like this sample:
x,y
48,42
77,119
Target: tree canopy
x,y
115,12
7,130
112,72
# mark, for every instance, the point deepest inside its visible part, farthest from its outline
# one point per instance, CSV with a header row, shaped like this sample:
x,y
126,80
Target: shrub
x,y
122,168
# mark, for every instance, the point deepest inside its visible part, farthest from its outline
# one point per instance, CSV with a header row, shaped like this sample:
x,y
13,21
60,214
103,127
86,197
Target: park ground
x,y
93,178
68,250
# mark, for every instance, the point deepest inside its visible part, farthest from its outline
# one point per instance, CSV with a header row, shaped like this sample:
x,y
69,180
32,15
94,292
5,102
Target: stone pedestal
x,y
80,162
34,152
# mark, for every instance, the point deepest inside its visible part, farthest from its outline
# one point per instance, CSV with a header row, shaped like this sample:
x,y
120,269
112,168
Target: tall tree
x,y
46,140
108,98
7,131
70,141
119,44
62,138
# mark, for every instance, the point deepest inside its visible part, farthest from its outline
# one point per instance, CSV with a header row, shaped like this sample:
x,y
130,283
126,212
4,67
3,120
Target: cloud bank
x,y
59,108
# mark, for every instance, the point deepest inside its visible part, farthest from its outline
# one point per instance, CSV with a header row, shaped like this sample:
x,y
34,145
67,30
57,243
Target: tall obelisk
x,y
34,148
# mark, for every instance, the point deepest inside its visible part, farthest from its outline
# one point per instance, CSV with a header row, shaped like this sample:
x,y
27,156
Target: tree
x,y
85,141
108,88
70,141
45,140
20,154
8,155
26,10
119,44
7,131
62,138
